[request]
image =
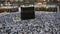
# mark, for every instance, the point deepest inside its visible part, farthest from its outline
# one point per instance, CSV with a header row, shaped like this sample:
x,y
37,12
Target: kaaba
x,y
27,13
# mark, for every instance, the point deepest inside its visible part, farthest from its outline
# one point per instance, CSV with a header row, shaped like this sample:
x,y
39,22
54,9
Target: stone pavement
x,y
44,23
